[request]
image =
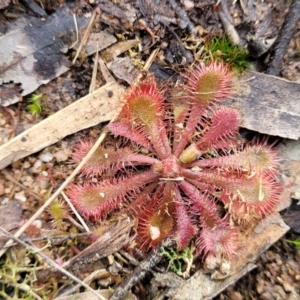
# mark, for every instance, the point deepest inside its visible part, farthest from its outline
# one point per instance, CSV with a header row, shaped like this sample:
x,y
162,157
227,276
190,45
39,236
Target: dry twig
x,y
87,33
285,37
140,271
227,23
50,262
94,74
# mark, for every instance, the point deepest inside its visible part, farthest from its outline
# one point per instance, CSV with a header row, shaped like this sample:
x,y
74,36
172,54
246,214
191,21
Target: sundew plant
x,y
183,171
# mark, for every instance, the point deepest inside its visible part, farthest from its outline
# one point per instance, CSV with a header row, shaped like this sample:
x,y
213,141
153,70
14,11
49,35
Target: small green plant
x,y
192,175
58,212
35,106
177,259
13,283
221,49
295,242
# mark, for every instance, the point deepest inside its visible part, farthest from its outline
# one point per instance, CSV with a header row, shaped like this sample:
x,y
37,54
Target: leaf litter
x,y
94,133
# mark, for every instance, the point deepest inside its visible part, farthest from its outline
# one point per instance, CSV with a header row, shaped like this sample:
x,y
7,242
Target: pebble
x,y
61,155
28,178
225,267
43,182
260,286
7,190
27,181
26,165
293,265
20,196
278,292
287,286
37,164
37,223
46,157
236,296
5,201
279,262
188,5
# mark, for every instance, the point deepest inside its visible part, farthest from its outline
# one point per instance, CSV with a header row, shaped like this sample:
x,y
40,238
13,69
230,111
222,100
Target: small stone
x,y
61,155
278,292
37,164
279,279
287,286
225,267
26,165
20,196
110,259
5,201
188,4
260,287
46,157
37,223
28,178
211,262
43,182
236,296
7,190
293,265
270,255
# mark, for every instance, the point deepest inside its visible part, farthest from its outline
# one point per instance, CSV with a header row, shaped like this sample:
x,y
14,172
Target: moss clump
x,y
221,49
35,106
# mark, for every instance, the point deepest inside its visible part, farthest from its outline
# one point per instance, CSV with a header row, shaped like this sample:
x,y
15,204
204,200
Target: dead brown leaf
x,y
97,107
10,215
32,51
268,104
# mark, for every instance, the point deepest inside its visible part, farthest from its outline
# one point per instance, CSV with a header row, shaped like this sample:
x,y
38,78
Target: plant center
x,y
171,168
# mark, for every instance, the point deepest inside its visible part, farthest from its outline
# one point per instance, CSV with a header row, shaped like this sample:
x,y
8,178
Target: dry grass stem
x,y
50,262
94,275
75,212
105,72
95,68
86,34
26,189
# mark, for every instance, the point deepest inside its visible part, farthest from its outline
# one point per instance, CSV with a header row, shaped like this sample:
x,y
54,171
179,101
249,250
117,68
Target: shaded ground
x,y
180,38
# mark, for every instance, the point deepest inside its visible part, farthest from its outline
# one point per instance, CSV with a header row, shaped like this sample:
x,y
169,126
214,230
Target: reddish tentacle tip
x,y
209,83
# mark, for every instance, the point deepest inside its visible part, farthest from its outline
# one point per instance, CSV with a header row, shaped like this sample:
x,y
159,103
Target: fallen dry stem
x,y
75,212
147,65
102,273
105,72
12,193
95,68
16,182
54,239
86,34
227,23
75,223
50,262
